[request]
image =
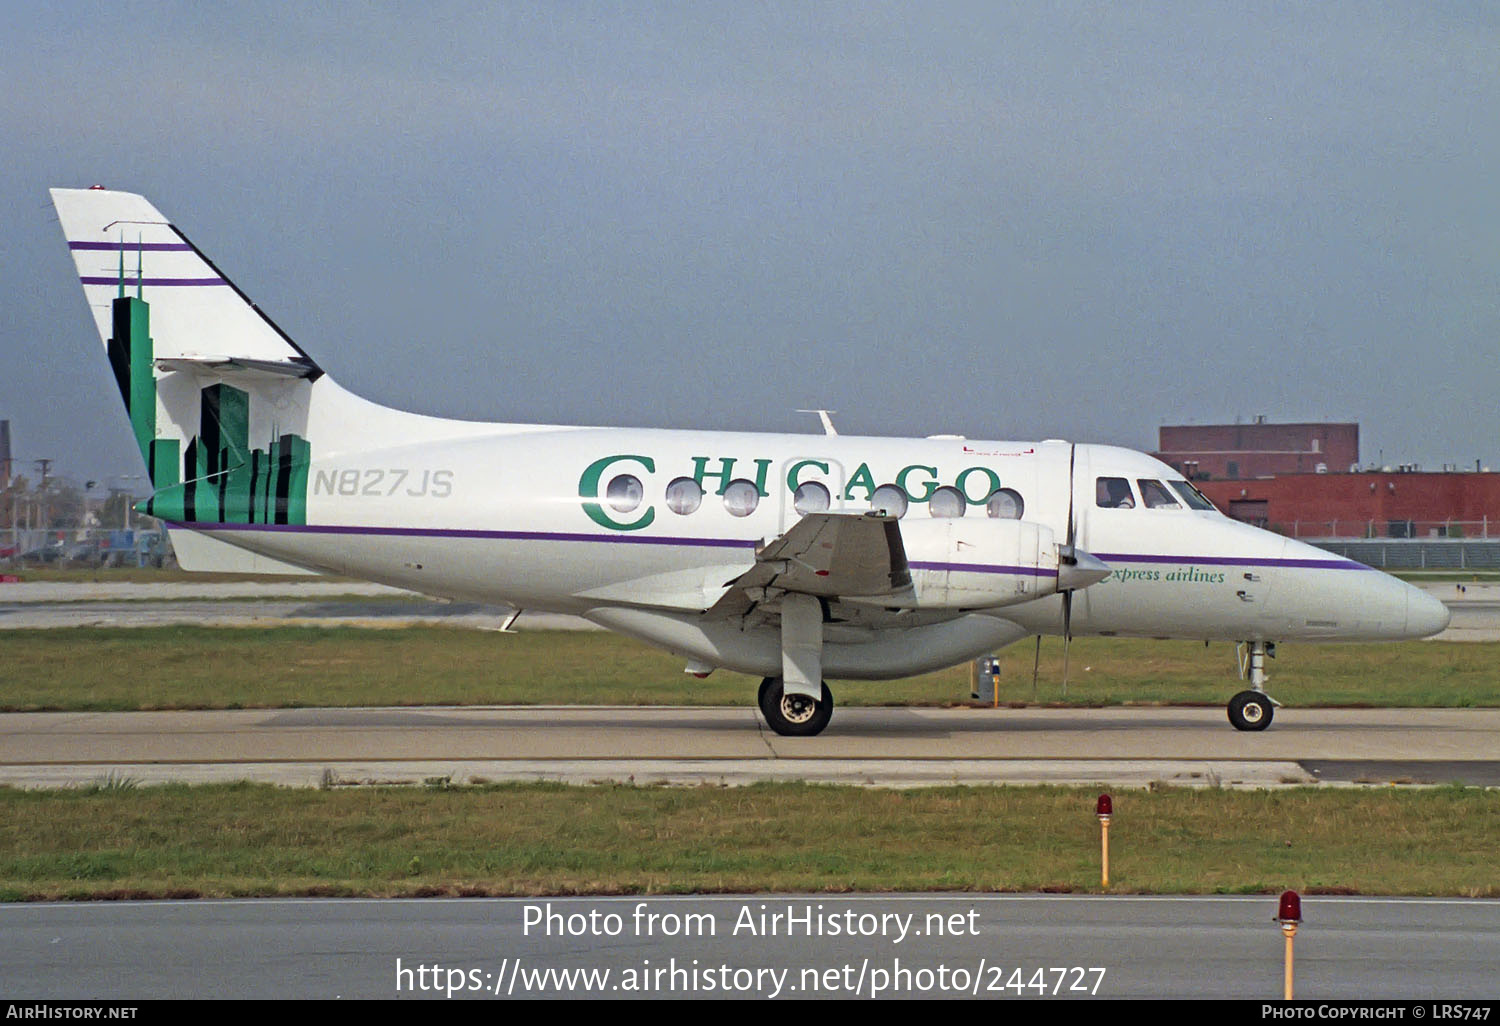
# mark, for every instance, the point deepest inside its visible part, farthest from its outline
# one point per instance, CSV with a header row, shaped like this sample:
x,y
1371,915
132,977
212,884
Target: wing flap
x,y
830,555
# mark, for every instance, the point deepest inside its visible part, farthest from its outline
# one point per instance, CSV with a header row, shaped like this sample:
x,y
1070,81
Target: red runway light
x,y
1291,908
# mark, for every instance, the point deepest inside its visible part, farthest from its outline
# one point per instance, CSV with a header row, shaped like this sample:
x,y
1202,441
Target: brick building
x,y
1365,505
1304,480
1214,451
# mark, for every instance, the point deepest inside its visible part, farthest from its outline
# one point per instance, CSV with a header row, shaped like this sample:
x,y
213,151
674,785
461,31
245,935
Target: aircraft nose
x,y
1425,615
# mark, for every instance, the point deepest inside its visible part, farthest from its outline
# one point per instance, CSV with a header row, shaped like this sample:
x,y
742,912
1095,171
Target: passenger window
x,y
741,497
1005,504
889,499
625,493
684,496
947,503
1155,495
1113,493
1190,495
811,497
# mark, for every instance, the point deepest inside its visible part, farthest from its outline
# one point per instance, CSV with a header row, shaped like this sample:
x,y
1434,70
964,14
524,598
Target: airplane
x,y
790,557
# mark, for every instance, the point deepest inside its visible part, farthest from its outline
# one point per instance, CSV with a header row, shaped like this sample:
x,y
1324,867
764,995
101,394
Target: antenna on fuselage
x,y
823,415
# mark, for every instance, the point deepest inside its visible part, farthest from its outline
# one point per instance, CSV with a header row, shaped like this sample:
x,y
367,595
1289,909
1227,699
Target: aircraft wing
x,y
829,555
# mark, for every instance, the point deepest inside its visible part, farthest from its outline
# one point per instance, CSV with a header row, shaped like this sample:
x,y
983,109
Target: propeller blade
x,y
1067,636
1072,536
1072,489
1036,667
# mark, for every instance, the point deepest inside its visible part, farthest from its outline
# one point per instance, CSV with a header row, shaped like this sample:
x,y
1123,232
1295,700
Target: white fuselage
x,y
523,517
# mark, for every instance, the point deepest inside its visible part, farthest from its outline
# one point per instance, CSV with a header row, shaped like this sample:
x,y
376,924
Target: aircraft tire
x,y
1250,710
765,688
794,715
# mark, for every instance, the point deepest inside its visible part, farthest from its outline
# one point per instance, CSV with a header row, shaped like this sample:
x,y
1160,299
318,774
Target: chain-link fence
x,y
1419,555
1400,529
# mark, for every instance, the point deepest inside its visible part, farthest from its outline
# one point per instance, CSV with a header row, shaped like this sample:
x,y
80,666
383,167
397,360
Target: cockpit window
x,y
1113,493
1155,495
1190,495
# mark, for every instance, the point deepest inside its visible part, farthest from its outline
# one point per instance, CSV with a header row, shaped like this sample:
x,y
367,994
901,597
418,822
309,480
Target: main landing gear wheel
x,y
794,715
1250,710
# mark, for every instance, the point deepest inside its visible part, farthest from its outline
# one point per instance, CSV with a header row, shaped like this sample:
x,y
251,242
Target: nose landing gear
x,y
1254,709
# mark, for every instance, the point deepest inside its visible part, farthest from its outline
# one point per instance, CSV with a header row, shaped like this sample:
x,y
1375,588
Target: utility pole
x,y
44,509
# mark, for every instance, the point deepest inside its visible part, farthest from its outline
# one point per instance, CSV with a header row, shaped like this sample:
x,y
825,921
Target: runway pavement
x,y
896,747
824,945
886,747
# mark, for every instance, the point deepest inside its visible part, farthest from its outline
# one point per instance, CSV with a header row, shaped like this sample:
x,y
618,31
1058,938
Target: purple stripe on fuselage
x,y
1301,564
134,247
986,568
738,543
439,532
155,282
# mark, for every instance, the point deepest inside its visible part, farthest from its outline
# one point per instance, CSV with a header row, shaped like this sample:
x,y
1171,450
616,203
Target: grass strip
x,y
118,841
84,669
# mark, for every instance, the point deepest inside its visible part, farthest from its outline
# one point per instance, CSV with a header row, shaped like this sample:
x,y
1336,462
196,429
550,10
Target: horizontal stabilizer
x,y
200,552
231,367
125,248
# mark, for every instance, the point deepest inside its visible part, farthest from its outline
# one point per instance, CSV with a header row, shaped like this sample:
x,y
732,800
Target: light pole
x,y
124,488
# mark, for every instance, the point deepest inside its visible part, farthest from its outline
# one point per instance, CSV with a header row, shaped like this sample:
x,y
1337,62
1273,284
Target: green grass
x,y
199,667
245,839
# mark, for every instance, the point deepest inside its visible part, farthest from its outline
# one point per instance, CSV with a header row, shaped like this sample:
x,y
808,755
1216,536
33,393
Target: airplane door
x,y
809,471
1082,497
1082,529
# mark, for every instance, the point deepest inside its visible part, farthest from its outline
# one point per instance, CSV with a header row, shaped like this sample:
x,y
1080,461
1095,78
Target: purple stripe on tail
x,y
132,247
131,282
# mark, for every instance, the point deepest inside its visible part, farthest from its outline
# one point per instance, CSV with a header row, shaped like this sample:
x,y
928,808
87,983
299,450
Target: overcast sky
x,y
1005,220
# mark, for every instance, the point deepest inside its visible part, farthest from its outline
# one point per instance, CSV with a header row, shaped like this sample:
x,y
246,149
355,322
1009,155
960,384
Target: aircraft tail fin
x,y
218,396
229,413
125,248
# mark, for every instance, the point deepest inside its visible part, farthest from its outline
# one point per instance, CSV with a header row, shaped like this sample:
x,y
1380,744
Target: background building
x,y
1372,504
1214,451
1304,480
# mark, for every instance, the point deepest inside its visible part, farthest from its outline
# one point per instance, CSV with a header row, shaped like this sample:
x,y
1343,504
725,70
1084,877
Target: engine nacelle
x,y
968,563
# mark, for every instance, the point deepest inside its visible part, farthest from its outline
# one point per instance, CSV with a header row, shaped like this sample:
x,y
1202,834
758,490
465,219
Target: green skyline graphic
x,y
217,477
